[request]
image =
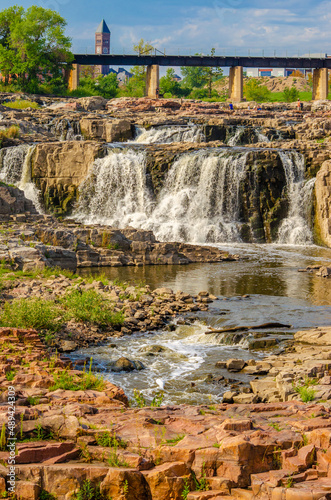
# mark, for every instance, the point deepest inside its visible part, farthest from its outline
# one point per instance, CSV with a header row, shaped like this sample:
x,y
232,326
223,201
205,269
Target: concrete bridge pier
x,y
73,79
320,84
152,80
236,81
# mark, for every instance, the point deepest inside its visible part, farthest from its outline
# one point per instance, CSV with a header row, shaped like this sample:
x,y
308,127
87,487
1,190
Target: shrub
x,y
90,306
254,91
78,382
290,94
32,313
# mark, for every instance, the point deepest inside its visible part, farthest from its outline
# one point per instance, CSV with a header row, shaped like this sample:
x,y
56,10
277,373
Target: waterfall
x,y
115,191
294,229
200,198
238,136
15,168
11,163
64,130
199,201
235,138
166,134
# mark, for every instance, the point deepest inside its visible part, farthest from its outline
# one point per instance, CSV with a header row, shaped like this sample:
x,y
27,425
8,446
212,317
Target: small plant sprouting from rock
x,y
108,439
202,483
275,426
186,489
157,399
305,392
88,491
139,398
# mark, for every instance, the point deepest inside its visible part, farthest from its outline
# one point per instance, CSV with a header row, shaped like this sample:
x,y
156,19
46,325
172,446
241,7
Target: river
x,y
264,286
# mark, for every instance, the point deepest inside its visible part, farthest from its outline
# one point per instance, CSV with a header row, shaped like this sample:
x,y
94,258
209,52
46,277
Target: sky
x,y
232,27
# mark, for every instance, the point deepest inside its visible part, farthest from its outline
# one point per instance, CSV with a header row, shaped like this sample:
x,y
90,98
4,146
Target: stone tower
x,y
102,46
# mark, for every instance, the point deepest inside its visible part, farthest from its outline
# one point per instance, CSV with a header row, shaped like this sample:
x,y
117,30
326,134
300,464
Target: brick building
x,y
102,46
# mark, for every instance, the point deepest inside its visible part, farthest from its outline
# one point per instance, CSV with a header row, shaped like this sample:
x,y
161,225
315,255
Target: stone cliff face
x,y
323,204
59,168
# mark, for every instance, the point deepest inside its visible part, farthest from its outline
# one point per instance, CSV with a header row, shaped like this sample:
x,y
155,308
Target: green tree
x,y
168,84
290,94
196,77
254,91
33,44
104,86
107,85
135,86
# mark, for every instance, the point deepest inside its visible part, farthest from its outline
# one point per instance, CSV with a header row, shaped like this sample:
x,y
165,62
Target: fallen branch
x,y
245,328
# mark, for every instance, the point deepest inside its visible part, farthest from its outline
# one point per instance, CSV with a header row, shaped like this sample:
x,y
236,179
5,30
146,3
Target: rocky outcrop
x,y
45,242
72,441
13,201
107,130
323,204
59,168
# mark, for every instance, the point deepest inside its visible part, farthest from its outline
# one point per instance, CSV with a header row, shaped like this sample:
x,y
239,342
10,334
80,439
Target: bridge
x,y
319,65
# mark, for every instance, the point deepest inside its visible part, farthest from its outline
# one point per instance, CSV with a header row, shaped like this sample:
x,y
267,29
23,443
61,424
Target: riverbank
x,y
76,433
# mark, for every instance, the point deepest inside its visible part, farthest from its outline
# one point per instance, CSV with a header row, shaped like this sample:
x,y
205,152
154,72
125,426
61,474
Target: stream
x,y
265,286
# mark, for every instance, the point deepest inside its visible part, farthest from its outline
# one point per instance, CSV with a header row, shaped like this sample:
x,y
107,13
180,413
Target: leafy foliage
x,y
290,94
104,86
31,313
254,91
33,47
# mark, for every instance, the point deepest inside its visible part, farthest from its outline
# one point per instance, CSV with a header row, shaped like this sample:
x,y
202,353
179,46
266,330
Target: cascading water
x,y
115,191
294,229
65,130
200,198
15,168
199,201
238,136
166,134
11,163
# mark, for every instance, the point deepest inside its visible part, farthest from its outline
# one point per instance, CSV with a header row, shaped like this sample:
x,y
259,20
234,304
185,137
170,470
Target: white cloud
x,y
230,30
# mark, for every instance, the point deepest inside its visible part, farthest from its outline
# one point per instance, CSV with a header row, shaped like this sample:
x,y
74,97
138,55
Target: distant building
x,y
259,72
102,46
123,75
177,78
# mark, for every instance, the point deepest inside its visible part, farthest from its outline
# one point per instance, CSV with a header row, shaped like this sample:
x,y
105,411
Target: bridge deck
x,y
219,61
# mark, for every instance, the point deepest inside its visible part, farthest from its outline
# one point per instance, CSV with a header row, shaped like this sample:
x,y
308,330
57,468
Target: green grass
x,y
89,491
176,439
78,382
32,313
22,104
305,393
279,96
90,306
109,440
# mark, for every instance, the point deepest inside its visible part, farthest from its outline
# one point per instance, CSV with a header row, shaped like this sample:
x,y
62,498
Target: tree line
x,y
35,57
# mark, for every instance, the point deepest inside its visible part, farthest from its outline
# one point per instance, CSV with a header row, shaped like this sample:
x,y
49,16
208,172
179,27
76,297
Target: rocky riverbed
x,y
76,433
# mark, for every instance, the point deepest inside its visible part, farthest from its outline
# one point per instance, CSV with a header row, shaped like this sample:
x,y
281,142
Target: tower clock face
x,y
105,50
98,50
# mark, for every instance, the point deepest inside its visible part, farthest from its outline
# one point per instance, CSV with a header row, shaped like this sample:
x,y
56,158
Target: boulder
x,y
92,103
126,365
235,365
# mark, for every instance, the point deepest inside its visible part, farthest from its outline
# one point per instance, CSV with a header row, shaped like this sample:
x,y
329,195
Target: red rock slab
x,y
312,424
207,495
308,490
39,452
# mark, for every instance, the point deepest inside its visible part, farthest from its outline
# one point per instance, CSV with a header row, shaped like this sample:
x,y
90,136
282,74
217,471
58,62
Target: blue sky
x,y
190,26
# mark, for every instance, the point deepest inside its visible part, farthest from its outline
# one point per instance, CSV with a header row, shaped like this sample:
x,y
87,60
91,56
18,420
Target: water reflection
x,y
266,270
